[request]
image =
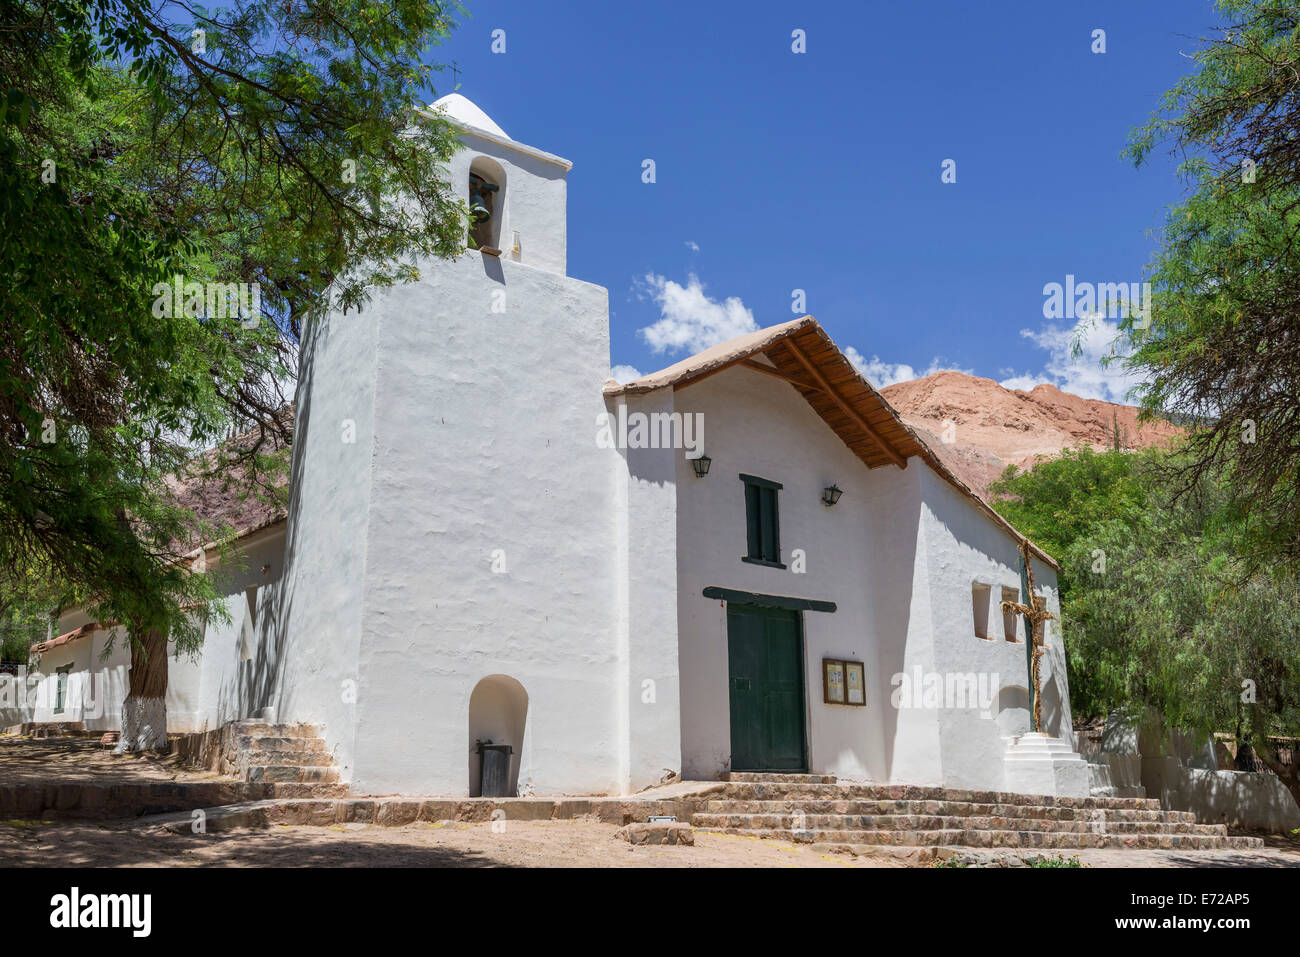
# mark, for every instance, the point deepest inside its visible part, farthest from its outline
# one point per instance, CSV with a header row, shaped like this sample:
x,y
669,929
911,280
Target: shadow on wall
x,y
1013,710
890,577
498,714
264,685
1053,705
255,670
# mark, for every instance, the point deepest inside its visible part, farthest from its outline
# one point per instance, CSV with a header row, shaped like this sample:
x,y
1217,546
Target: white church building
x,y
745,561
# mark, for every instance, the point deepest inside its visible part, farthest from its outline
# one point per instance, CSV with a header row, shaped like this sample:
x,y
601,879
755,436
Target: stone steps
x,y
774,791
916,822
777,777
294,790
273,743
295,773
304,758
814,809
283,754
266,729
944,808
999,838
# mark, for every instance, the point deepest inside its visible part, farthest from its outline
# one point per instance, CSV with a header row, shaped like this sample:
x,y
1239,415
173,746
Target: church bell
x,y
480,203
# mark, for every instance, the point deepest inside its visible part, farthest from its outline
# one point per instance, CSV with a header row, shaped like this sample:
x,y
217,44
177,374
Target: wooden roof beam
x,y
847,409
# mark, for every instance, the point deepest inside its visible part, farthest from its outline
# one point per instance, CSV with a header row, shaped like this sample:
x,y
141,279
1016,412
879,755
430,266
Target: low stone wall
x,y
1115,775
1184,772
215,751
401,811
1256,801
51,729
97,802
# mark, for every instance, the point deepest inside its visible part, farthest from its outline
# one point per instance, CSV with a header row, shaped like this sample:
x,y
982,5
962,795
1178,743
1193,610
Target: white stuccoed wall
x,y
97,684
758,426
485,440
964,546
897,554
475,392
318,618
100,680
204,690
646,603
230,686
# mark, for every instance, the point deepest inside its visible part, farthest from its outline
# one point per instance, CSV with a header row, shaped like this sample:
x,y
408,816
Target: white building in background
x,y
82,675
489,540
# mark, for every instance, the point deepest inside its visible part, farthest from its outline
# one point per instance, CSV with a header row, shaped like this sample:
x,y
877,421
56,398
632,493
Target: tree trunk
x,y
1247,760
144,712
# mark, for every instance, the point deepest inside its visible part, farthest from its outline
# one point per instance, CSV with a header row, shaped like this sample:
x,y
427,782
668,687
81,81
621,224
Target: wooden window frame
x,y
844,664
827,664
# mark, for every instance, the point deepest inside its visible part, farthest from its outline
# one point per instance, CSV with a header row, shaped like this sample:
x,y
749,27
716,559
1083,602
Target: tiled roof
x,y
84,631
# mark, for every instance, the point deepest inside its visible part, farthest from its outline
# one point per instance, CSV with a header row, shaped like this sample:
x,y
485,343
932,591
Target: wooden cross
x,y
1034,614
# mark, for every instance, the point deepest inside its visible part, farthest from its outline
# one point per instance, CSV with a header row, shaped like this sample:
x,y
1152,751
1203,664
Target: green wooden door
x,y
765,668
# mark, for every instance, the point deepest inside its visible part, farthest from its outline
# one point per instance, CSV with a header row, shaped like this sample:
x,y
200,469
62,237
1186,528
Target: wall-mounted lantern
x,y
831,494
701,466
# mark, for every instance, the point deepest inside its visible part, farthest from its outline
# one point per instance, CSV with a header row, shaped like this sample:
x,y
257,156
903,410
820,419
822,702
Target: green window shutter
x,y
752,512
771,529
762,524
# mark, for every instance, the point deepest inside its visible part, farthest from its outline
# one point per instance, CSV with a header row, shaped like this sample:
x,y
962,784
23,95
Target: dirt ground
x,y
584,843
451,844
85,760
522,844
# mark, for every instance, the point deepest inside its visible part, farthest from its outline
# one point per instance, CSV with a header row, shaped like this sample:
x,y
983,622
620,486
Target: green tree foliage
x,y
1062,499
1223,347
20,628
1161,606
266,143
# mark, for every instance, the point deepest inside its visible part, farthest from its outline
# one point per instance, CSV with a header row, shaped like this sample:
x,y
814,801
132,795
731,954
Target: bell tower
x,y
454,523
515,193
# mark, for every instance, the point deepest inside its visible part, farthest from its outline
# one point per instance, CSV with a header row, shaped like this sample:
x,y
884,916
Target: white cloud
x,y
689,320
1024,383
624,374
1084,375
880,373
692,246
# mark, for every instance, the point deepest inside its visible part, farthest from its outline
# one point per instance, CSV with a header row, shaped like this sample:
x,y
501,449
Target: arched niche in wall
x,y
487,202
498,714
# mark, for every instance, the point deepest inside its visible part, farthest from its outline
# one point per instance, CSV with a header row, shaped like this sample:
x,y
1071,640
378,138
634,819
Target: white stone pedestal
x,y
1037,763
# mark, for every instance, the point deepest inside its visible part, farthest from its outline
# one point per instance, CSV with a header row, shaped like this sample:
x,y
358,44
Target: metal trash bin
x,y
494,770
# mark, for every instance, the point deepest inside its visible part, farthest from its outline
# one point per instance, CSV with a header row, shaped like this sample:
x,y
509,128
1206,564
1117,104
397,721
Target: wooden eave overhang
x,y
801,354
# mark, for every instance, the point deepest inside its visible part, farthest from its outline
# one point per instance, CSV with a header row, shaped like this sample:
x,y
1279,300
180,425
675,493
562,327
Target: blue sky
x,y
821,171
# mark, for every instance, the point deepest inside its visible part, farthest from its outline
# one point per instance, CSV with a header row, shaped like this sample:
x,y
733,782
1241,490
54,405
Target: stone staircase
x,y
865,818
282,754
287,760
255,761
